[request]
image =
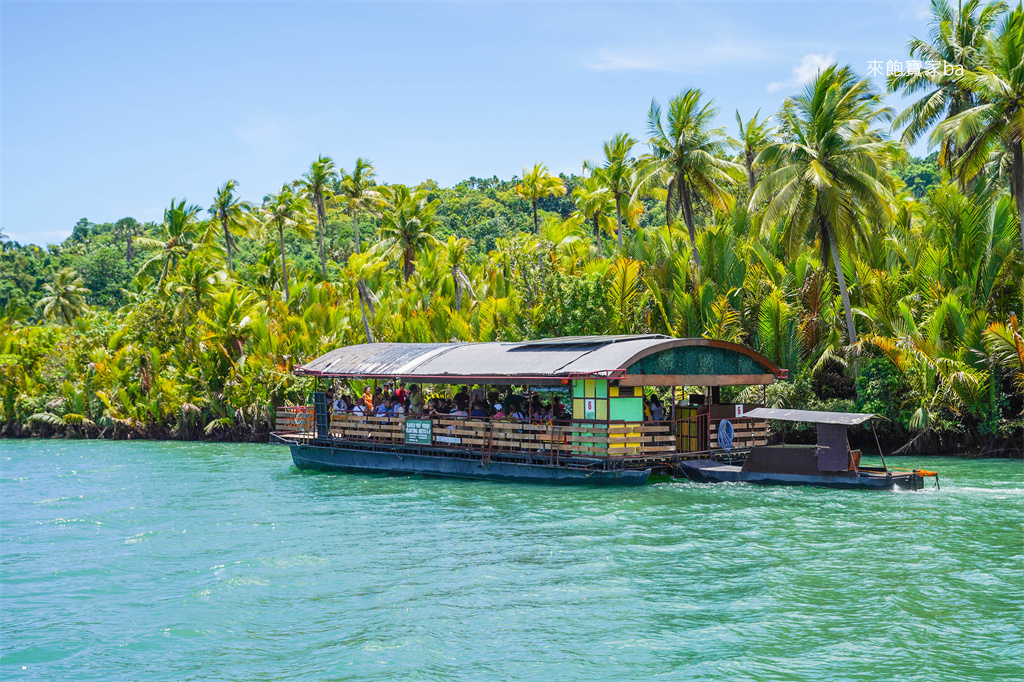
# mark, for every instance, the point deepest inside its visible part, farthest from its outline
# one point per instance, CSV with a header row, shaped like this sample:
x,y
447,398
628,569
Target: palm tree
x,y
957,36
691,153
593,203
996,123
358,192
179,232
456,252
127,229
754,137
830,168
617,174
65,297
316,184
233,214
407,227
362,266
197,277
539,183
282,211
230,320
1005,343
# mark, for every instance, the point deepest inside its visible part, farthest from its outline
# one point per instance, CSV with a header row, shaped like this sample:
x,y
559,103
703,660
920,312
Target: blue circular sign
x,y
725,434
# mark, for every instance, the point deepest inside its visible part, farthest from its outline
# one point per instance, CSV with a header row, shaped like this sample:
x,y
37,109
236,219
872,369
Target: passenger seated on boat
x,y
400,393
399,409
479,410
462,397
536,409
367,399
341,404
516,409
558,410
433,408
359,409
499,412
384,408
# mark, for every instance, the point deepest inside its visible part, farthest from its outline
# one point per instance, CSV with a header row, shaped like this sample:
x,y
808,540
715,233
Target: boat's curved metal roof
x,y
540,361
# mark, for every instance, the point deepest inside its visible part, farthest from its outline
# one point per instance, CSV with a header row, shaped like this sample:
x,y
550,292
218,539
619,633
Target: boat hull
x,y
326,458
709,471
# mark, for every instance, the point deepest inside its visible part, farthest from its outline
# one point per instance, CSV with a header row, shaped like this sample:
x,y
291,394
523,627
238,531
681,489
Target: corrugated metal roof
x,y
810,416
586,340
551,359
611,356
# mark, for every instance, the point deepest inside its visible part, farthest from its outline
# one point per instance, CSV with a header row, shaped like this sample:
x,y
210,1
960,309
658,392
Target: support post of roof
x,y
879,446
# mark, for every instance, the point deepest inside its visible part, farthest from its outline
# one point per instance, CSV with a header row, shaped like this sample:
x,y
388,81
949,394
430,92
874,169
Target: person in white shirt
x,y
340,406
657,410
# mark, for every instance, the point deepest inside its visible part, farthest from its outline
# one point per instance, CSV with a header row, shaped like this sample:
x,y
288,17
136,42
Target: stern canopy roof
x,y
643,360
811,417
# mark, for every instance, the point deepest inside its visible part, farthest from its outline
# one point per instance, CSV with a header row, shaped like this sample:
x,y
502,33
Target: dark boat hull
x,y
326,458
709,471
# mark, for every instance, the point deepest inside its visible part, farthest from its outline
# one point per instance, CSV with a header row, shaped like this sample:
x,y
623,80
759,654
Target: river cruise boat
x,y
603,438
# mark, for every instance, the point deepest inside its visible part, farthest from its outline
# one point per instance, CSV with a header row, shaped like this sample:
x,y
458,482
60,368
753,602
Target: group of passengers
x,y
515,407
391,401
384,401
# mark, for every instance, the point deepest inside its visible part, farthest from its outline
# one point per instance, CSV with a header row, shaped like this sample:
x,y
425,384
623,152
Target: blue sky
x,y
111,109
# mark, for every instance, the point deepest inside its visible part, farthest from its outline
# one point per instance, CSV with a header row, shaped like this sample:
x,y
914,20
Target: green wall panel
x,y
629,409
696,360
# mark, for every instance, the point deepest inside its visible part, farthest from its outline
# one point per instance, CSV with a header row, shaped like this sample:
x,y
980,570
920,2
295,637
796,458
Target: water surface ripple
x,y
176,561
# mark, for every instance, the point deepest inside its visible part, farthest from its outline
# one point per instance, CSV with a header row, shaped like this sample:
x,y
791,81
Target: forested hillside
x,y
883,282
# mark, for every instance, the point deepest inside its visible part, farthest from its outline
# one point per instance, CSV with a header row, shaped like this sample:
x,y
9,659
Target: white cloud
x,y
691,58
610,60
804,72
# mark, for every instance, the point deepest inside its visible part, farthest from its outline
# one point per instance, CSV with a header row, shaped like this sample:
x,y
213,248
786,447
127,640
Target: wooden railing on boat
x,y
577,438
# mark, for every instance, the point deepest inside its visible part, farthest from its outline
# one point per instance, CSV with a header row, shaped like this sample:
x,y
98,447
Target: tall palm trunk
x,y
536,223
597,236
833,247
321,218
1017,185
129,250
686,201
355,227
668,203
751,176
618,219
227,240
366,325
458,288
409,257
163,273
284,263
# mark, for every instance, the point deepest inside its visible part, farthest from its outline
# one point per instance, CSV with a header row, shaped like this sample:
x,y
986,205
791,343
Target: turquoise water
x,y
173,561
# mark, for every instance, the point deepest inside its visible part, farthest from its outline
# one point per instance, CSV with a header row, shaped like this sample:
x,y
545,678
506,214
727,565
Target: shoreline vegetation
x,y
884,283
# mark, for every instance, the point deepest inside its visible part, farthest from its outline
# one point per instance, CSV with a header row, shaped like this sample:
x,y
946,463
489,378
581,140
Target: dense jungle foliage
x,y
883,282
